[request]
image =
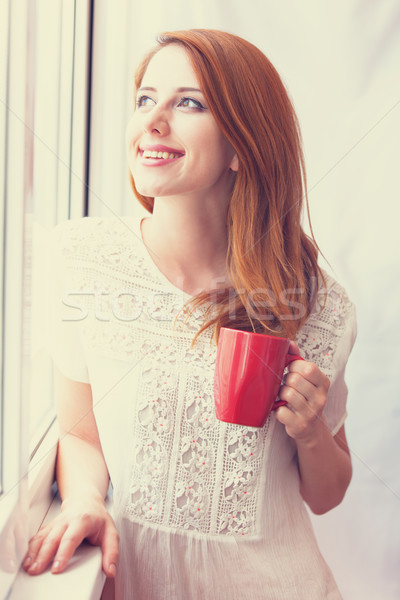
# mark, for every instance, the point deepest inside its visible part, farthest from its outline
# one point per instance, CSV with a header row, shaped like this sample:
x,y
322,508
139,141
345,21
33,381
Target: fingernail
x,y
34,566
112,569
27,561
56,565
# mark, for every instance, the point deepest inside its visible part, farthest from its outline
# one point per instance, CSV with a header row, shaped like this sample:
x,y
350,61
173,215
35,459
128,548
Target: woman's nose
x,y
156,121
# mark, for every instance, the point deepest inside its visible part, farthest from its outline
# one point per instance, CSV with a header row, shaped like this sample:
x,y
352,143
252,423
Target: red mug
x,y
248,375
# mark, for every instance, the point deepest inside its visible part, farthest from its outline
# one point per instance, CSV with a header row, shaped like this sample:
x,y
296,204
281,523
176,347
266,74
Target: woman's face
x,y
174,144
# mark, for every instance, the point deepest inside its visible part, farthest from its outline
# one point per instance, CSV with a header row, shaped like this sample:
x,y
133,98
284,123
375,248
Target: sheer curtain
x,y
339,63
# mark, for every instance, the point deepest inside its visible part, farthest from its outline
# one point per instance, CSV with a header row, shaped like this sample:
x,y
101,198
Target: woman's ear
x,y
234,166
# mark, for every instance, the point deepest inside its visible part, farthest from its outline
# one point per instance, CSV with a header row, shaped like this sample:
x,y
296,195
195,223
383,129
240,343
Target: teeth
x,y
155,154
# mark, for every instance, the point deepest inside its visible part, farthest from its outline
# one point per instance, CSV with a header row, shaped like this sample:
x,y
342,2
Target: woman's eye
x,y
144,101
190,103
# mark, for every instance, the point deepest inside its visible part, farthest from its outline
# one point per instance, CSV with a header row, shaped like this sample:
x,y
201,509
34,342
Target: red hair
x,y
272,263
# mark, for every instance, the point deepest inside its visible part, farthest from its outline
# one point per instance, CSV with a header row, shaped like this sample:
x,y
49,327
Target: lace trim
x,y
319,337
189,470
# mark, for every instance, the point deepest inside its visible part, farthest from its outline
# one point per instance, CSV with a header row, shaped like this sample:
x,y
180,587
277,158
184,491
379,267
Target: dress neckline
x,y
152,265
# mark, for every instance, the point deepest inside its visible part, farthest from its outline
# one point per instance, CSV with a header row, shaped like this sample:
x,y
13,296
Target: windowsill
x,y
84,578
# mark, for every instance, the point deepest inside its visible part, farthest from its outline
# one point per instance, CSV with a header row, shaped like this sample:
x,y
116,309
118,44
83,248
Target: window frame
x,y
14,439
4,42
28,493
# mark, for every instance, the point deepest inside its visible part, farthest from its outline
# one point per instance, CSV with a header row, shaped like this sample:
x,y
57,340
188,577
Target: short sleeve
x,y
65,316
335,410
327,339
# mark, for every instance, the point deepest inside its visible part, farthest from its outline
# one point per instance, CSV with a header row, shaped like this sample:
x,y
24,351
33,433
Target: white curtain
x,y
340,63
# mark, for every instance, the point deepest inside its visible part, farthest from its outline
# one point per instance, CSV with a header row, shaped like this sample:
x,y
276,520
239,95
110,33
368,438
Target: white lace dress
x,y
205,509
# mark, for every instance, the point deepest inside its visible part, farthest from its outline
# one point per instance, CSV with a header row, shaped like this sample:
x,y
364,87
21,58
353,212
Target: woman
x,y
203,509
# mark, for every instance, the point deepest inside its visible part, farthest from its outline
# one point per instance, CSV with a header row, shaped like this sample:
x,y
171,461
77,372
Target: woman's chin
x,y
149,190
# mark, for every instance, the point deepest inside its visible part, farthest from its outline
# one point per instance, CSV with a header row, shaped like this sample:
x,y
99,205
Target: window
x,y
15,162
44,101
52,75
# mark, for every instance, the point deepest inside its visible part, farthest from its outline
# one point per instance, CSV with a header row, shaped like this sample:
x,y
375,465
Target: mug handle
x,y
289,358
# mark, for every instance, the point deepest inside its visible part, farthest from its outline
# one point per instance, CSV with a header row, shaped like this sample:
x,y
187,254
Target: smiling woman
x,y
202,508
168,121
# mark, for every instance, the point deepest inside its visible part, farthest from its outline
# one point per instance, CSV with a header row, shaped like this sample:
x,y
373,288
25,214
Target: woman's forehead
x,y
170,67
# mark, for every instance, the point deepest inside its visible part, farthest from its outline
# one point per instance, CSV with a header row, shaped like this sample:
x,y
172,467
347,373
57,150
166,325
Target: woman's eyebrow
x,y
179,90
188,89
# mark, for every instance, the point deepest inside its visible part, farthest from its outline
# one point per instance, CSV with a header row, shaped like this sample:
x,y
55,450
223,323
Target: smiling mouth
x,y
159,155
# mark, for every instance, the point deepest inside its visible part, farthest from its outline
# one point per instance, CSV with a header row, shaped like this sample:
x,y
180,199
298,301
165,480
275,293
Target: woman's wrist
x,y
316,434
81,495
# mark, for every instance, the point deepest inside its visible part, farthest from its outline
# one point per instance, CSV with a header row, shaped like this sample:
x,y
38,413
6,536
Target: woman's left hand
x,y
305,390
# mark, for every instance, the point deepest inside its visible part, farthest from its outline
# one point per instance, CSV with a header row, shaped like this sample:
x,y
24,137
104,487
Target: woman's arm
x,y
79,442
325,470
324,460
82,478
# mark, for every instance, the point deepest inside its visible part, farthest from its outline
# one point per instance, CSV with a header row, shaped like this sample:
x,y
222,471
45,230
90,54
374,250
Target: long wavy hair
x,y
271,262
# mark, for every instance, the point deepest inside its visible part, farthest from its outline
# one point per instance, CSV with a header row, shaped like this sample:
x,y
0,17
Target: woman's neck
x,y
188,243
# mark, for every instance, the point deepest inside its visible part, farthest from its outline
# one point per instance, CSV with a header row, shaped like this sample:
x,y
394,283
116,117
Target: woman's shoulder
x,y
333,306
94,230
91,236
328,334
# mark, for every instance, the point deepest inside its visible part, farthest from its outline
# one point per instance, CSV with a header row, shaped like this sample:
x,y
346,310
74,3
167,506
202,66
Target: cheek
x,y
227,151
216,157
218,146
205,146
131,132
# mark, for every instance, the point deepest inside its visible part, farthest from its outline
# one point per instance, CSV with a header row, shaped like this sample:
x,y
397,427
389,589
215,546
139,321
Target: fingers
x,y
109,547
56,540
295,390
305,390
305,402
285,416
74,535
305,387
42,548
301,394
59,540
310,372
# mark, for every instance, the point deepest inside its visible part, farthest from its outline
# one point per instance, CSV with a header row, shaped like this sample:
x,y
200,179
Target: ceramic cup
x,y
248,375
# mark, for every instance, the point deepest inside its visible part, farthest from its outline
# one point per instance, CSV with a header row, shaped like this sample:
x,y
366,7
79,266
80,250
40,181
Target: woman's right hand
x,y
80,518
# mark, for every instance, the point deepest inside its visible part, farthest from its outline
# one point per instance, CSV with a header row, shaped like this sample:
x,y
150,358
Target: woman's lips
x,y
158,155
162,155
